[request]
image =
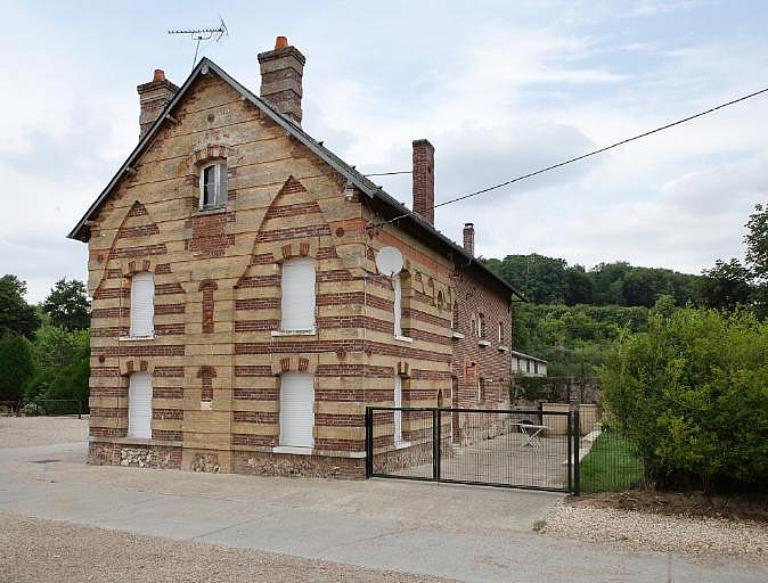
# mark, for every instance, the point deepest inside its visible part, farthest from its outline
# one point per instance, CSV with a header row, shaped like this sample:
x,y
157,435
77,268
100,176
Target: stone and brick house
x,y
239,323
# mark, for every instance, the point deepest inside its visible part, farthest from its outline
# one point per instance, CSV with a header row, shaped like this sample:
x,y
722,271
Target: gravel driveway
x,y
69,553
693,536
31,431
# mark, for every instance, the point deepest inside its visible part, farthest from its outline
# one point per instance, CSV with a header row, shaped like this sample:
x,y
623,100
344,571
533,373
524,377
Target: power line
x,y
587,155
389,173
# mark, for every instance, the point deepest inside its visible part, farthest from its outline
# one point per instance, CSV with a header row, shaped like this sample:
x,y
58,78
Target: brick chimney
x,y
281,72
469,238
153,97
424,179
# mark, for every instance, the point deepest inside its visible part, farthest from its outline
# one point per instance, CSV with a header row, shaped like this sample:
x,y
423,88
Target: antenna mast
x,y
204,34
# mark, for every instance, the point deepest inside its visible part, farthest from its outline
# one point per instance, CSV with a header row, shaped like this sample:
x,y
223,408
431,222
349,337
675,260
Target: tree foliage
x,y
690,392
67,305
547,280
16,365
16,315
726,285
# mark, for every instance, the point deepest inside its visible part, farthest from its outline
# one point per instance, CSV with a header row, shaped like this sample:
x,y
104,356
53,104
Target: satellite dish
x,y
389,261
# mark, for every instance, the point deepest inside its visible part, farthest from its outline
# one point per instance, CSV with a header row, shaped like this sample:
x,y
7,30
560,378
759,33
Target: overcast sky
x,y
500,88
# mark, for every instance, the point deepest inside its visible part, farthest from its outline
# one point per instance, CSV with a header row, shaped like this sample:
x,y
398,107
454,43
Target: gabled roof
x,y
411,222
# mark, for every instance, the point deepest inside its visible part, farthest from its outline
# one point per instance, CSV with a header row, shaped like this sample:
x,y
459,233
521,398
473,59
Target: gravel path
x,y
693,536
31,431
34,550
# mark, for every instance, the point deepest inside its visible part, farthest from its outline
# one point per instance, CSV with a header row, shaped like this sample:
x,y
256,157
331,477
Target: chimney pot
x,y
469,238
281,71
153,97
423,178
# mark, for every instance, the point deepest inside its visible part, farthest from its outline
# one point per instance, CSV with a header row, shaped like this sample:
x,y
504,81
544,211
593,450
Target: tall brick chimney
x,y
424,179
281,73
469,238
153,97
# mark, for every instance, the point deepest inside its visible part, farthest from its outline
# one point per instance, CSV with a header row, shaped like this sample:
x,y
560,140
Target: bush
x,y
31,410
691,394
16,366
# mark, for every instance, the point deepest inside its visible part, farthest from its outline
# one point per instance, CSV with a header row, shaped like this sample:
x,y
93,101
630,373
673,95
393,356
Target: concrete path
x,y
468,533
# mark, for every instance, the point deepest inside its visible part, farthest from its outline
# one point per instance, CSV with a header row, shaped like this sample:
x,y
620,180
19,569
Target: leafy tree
x,y
726,285
16,365
71,382
690,394
54,350
756,240
68,305
579,288
16,315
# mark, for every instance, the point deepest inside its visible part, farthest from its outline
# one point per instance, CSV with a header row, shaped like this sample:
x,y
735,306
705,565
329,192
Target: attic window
x,y
213,186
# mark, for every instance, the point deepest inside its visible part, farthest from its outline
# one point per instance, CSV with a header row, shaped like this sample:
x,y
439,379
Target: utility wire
x,y
587,155
389,173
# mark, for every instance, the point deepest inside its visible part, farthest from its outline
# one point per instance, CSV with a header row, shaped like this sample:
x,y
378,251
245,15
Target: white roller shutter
x,y
297,410
142,304
298,289
398,305
140,406
398,414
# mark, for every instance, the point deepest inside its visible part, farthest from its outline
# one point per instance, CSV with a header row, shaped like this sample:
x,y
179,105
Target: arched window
x,y
140,406
298,295
142,305
213,186
297,410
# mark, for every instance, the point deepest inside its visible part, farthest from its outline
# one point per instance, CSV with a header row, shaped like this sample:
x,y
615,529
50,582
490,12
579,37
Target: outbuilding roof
x,y
412,222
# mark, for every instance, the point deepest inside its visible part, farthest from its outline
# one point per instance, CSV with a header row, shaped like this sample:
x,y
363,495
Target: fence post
x,y
569,441
368,442
79,409
576,461
436,444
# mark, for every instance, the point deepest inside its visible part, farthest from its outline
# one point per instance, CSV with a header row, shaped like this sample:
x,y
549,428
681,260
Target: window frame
x,y
220,197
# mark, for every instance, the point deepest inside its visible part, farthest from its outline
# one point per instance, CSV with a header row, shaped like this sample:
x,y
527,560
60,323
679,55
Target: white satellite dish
x,y
389,261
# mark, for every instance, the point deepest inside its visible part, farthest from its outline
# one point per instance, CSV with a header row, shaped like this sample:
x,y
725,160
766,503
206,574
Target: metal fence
x,y
512,448
612,464
61,407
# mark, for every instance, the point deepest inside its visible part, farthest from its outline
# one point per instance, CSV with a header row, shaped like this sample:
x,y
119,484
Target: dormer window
x,y
213,186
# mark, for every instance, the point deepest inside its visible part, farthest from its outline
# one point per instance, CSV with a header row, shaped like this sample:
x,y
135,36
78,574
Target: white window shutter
x,y
142,304
297,410
398,414
140,406
298,291
398,308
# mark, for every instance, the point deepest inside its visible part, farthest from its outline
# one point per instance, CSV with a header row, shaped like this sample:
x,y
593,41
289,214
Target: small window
x,y
213,186
298,295
398,305
481,325
474,326
535,368
455,316
481,396
142,305
501,333
527,366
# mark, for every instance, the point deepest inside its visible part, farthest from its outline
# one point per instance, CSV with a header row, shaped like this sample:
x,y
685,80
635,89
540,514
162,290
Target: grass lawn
x,y
610,466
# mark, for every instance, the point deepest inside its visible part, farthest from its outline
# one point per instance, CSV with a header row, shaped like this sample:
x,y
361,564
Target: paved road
x,y
472,534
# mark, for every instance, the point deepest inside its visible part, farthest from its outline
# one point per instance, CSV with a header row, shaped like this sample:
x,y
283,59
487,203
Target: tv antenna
x,y
208,35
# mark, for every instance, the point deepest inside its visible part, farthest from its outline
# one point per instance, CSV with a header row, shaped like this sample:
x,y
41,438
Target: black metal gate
x,y
511,448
